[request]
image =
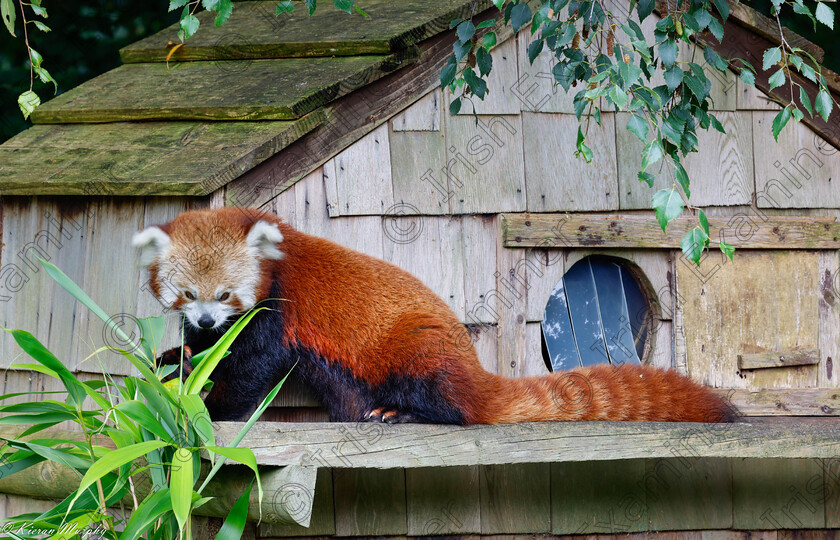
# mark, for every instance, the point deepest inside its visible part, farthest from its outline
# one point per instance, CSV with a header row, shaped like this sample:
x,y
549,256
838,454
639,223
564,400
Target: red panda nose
x,y
206,321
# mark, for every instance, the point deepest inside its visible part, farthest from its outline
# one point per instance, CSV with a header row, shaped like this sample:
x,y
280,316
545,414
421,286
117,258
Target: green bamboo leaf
x,y
181,482
234,524
199,418
144,516
70,286
114,460
200,375
37,351
242,432
141,414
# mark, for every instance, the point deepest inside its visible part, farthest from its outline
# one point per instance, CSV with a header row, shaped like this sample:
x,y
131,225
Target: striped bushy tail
x,y
605,392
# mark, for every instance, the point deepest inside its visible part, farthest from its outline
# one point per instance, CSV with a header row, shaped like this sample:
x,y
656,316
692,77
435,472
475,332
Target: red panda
x,y
371,341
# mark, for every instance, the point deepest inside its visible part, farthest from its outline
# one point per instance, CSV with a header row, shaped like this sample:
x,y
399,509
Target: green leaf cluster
x,y
157,432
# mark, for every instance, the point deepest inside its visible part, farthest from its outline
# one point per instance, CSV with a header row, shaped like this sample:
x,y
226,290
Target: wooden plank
x,y
643,231
442,501
721,172
500,99
431,252
369,502
785,401
778,359
480,235
485,151
738,304
515,498
150,158
732,308
688,493
351,118
607,497
831,476
510,305
363,175
777,494
829,262
30,300
548,268
797,171
283,89
738,535
405,445
111,222
750,98
322,522
417,159
423,115
363,233
661,339
330,179
254,31
536,365
549,139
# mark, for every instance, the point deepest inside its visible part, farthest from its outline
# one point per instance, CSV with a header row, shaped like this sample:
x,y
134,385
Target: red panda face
x,y
205,267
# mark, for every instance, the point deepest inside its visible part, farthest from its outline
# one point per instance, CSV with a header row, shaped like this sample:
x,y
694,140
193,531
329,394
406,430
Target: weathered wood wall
x,y
425,191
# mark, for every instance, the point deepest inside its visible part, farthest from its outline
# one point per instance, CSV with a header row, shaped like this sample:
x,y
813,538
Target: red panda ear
x,y
263,239
151,241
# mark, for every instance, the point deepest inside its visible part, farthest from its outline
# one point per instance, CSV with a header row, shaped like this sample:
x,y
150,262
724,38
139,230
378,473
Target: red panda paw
x,y
388,416
173,357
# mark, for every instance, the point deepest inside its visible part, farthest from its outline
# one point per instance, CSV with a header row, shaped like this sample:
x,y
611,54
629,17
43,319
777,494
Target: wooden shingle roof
x,y
230,98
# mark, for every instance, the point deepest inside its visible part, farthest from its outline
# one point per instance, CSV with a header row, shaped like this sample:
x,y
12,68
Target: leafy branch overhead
x,y
610,63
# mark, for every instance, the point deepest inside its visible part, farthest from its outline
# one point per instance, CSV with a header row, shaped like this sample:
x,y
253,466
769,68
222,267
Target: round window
x,y
597,313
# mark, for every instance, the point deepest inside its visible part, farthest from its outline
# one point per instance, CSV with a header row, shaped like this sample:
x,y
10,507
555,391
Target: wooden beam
x,y
604,231
255,31
778,359
748,43
785,402
351,118
281,89
143,158
341,445
295,485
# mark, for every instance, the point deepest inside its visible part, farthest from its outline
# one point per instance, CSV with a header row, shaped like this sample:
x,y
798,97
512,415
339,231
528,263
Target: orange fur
x,y
377,320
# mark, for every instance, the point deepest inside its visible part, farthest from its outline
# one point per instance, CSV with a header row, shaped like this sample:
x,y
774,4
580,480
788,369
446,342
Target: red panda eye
x,y
224,297
189,295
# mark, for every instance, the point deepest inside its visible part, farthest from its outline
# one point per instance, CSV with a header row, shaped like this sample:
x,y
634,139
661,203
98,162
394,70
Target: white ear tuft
x,y
152,241
263,239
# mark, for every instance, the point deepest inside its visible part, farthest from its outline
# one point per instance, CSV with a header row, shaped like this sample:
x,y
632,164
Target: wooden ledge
x,y
380,446
635,231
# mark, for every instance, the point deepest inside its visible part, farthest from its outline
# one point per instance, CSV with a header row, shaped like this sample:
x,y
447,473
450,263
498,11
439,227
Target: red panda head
x,y
208,264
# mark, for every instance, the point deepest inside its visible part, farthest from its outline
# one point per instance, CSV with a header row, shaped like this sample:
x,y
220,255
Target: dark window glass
x,y
595,314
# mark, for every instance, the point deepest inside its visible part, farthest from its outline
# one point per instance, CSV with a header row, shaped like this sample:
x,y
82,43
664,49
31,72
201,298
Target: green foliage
x,y
613,64
158,431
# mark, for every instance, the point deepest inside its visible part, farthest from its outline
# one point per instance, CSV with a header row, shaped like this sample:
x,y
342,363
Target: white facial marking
x,y
263,239
153,244
217,311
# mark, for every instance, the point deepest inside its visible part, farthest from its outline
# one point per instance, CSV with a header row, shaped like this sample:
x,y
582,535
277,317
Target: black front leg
x,y
239,386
